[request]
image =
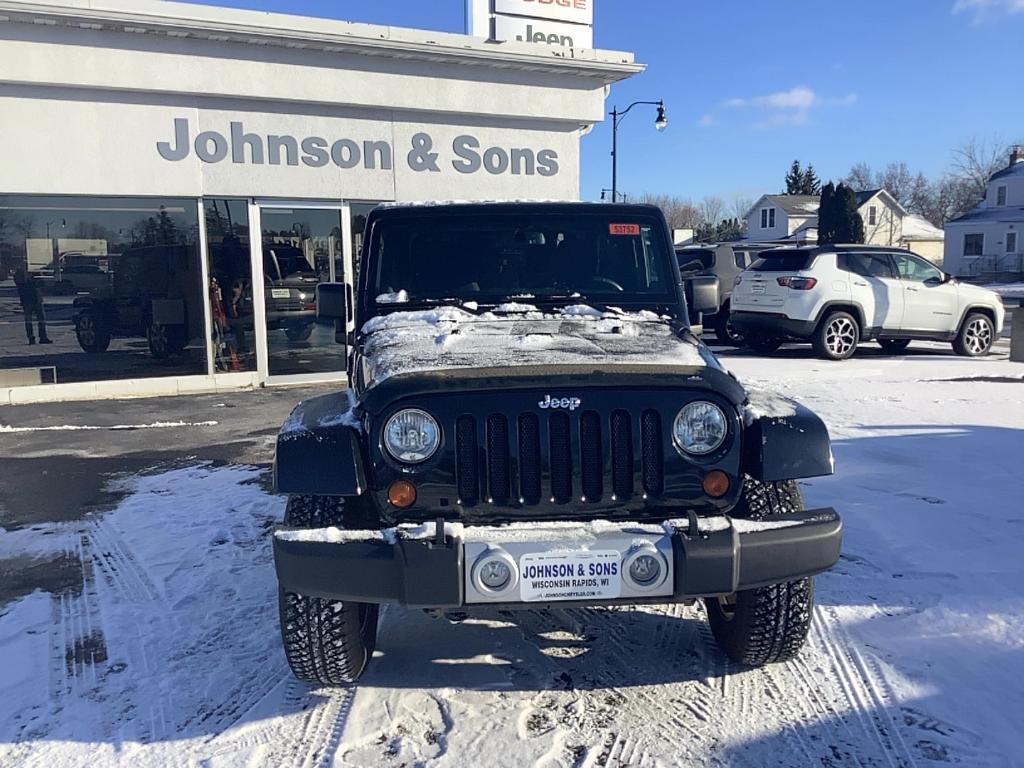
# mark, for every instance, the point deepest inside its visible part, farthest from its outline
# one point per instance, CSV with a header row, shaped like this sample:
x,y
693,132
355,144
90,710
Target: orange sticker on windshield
x,y
624,229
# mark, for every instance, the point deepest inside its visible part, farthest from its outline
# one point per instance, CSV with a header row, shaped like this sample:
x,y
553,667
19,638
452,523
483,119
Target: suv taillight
x,y
798,283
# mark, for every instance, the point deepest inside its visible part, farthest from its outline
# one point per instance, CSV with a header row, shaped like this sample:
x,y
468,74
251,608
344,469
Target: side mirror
x,y
702,293
332,304
934,282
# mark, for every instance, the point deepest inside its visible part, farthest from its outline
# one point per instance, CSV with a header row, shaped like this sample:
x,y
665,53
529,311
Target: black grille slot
x,y
466,460
591,457
653,458
498,481
529,458
622,455
561,458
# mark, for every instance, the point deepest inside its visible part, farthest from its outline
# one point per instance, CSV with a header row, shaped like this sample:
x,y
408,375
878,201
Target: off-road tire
x,y
326,642
837,336
93,336
761,343
894,346
769,624
976,336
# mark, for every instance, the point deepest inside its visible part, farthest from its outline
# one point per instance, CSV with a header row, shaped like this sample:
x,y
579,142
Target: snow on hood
x,y
519,335
765,403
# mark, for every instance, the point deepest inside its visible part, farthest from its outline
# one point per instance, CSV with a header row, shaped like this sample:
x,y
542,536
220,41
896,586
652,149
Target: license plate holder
x,y
280,293
570,575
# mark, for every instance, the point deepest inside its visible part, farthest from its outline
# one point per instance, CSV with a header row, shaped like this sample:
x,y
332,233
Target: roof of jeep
x,y
837,248
533,206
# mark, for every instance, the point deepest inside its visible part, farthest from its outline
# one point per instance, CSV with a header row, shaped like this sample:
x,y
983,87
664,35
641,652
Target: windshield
x,y
280,262
492,257
792,261
695,259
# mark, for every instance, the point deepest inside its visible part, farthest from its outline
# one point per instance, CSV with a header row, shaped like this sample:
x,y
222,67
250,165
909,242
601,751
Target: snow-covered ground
x,y
165,651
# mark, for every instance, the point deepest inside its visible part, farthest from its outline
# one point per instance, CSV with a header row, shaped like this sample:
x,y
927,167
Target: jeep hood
x,y
521,339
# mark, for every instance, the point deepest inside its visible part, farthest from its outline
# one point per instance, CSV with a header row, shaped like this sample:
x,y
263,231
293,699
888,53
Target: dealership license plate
x,y
280,293
558,576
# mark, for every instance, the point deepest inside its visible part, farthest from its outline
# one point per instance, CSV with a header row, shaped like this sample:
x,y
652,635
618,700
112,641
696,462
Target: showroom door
x,y
300,246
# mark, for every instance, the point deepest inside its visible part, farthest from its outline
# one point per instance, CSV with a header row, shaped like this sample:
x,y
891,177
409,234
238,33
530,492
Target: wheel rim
x,y
158,337
978,337
732,334
86,331
840,336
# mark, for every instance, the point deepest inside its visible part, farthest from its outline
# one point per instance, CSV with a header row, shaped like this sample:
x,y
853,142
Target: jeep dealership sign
x,y
566,23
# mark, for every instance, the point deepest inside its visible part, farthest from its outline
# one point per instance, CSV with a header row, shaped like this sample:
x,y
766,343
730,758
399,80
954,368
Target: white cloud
x,y
985,8
706,121
1010,6
792,107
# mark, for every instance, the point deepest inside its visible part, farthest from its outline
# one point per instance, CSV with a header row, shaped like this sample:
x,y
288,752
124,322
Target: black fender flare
x,y
320,449
787,447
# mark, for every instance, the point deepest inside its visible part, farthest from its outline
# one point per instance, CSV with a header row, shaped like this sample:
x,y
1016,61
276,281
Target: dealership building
x,y
175,178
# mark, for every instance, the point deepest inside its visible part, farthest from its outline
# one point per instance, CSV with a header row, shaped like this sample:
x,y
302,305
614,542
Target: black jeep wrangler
x,y
532,422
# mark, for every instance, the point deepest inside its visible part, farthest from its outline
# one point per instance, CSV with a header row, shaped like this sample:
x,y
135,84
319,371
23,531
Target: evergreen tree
x,y
826,215
795,179
852,221
810,183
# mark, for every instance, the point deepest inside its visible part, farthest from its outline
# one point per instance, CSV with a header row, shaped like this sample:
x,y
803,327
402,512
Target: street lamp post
x,y
661,123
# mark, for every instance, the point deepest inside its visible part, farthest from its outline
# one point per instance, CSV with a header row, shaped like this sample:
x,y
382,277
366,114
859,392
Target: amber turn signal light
x,y
402,494
716,484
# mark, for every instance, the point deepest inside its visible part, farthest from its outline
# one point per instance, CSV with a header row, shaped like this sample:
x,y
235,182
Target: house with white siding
x,y
987,241
794,219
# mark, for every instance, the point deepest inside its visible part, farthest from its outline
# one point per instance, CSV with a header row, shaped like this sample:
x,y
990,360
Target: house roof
x,y
980,214
1017,169
919,228
795,205
865,195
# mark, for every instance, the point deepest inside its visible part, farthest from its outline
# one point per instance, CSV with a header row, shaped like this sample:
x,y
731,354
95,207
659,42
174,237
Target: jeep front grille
x,y
558,457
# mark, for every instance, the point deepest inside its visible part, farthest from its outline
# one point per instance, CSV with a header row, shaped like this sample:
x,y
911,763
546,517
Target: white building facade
x,y
174,174
988,241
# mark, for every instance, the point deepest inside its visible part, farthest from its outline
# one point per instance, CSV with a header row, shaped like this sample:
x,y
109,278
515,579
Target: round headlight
x,y
700,428
412,436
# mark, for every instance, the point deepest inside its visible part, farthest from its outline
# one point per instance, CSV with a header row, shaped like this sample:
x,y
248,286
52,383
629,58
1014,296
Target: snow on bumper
x,y
425,567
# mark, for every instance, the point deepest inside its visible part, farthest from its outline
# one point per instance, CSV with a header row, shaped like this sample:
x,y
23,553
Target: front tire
x,y
93,336
976,337
724,330
326,642
837,336
299,333
768,624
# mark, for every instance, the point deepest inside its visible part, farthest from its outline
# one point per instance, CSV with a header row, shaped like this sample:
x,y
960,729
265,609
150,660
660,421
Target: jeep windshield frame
x,y
483,256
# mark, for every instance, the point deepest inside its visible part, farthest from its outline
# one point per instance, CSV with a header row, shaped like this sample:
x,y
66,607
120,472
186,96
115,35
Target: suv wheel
x,y
724,330
893,346
299,332
165,340
762,343
837,336
91,333
327,642
768,624
976,337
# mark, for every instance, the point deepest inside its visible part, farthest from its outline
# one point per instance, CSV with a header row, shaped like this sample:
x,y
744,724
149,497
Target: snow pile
x,y
113,428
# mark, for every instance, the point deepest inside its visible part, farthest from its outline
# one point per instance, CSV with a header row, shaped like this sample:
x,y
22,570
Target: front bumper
x,y
418,567
771,324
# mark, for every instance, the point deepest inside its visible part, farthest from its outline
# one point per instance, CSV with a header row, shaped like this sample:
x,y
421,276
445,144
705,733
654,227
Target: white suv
x,y
838,296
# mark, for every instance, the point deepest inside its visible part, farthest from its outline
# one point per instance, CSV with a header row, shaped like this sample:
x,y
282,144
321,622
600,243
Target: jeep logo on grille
x,y
569,403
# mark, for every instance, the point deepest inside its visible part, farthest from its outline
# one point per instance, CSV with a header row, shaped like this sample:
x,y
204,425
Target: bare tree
x,y
712,208
680,212
860,177
740,207
977,159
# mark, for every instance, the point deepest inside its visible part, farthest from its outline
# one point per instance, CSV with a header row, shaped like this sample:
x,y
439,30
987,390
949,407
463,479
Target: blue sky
x,y
752,86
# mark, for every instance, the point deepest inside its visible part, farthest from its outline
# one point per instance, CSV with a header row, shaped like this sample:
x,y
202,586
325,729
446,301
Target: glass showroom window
x,y
231,301
95,288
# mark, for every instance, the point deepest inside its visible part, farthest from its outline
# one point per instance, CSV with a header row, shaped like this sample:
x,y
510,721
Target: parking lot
x,y
138,608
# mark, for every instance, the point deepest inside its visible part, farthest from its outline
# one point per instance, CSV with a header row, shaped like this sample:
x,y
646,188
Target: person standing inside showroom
x,y
31,299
